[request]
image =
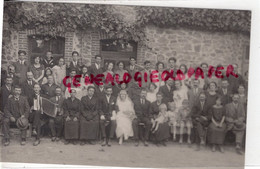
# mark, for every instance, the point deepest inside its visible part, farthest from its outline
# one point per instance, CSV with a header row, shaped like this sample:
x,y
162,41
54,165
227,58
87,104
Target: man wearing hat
x,y
16,112
21,66
235,119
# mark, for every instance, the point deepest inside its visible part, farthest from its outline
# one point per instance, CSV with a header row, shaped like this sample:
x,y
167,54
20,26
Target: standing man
x,y
48,89
142,107
74,63
6,91
225,92
96,68
200,119
172,64
89,117
27,87
147,70
167,91
38,117
48,61
235,119
107,118
233,81
17,107
56,123
132,69
21,66
11,73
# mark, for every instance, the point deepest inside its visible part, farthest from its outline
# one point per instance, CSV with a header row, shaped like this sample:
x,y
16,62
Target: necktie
x,y
202,105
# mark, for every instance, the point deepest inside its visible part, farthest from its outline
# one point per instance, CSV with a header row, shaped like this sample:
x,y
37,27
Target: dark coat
x,y
4,96
71,108
59,104
95,71
142,110
167,94
48,91
107,107
21,70
47,63
225,98
90,108
134,91
27,91
198,111
154,109
77,68
99,93
16,109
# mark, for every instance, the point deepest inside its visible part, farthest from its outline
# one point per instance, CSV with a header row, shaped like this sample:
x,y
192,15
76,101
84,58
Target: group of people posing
x,y
209,108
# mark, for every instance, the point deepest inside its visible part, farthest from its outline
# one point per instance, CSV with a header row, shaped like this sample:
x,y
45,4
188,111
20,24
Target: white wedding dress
x,y
124,118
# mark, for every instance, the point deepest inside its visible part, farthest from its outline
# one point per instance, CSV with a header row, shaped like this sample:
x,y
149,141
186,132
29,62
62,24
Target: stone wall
x,y
188,46
193,47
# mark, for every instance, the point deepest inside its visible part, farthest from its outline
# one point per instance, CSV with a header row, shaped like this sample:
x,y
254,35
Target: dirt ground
x,y
126,155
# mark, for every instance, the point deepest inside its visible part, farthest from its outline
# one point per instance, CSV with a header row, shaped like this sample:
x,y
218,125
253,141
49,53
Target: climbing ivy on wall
x,y
56,18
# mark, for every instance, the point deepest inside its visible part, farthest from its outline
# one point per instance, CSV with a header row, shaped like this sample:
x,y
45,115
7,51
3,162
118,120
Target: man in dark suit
x,y
48,61
107,119
233,81
27,87
225,92
100,91
142,107
11,73
200,119
235,119
134,90
132,68
48,89
167,91
56,123
96,68
74,63
6,91
21,66
193,93
16,107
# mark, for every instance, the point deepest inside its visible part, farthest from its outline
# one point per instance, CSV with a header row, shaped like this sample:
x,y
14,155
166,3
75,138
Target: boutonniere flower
x,y
113,103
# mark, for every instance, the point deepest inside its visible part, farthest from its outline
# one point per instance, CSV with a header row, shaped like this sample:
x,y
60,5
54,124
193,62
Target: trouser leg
x,y
148,126
135,128
103,129
23,134
112,128
239,136
59,125
52,127
6,127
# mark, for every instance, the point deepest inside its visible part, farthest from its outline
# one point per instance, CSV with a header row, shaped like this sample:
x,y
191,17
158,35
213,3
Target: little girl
x,y
162,117
174,118
185,120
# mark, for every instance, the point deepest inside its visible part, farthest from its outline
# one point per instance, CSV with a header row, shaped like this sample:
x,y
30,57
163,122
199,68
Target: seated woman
x,y
162,117
37,69
124,117
217,127
211,93
120,71
109,69
71,109
151,94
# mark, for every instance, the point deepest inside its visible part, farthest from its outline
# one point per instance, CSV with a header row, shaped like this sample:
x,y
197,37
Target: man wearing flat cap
x,y
17,107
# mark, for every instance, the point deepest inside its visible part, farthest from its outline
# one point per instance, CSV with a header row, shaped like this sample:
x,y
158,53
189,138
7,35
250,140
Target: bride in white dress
x,y
124,117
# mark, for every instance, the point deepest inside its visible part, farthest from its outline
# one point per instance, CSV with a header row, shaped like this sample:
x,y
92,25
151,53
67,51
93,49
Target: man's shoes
x,y
136,143
57,139
91,143
82,143
239,151
213,148
7,142
103,143
74,142
23,142
66,142
108,143
163,143
221,149
53,139
37,142
146,144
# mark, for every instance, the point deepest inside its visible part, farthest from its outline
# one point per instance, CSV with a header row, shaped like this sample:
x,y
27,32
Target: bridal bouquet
x,y
129,114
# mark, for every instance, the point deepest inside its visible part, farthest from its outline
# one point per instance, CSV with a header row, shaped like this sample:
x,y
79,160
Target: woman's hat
x,y
22,123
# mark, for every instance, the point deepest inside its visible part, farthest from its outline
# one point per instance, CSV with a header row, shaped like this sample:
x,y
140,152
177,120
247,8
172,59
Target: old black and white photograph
x,y
124,85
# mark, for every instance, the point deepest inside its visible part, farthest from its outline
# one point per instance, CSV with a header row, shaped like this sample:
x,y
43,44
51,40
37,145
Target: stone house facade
x,y
188,46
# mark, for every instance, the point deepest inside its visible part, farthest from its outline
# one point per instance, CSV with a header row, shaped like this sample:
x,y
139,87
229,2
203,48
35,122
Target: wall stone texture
x,y
188,46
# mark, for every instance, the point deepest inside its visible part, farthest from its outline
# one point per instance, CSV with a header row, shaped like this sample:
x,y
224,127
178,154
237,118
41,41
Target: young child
x,y
185,120
161,118
174,118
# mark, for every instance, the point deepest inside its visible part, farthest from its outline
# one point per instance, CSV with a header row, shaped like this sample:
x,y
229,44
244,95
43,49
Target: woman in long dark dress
x,y
217,127
71,108
163,132
89,117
